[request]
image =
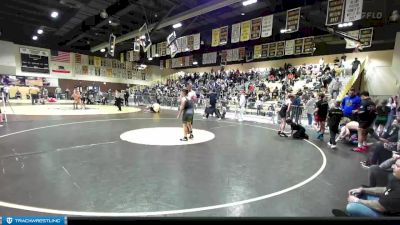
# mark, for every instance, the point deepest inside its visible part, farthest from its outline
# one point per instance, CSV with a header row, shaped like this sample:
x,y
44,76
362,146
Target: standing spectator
x,y
259,106
310,108
118,100
77,98
193,98
351,103
67,93
354,65
296,110
366,116
34,92
335,114
6,91
58,92
335,87
126,97
284,113
242,105
320,114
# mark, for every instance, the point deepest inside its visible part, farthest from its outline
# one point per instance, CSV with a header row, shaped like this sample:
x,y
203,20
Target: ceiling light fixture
x,y
109,21
249,2
102,50
40,31
195,63
177,25
150,59
242,14
157,55
34,37
349,24
54,14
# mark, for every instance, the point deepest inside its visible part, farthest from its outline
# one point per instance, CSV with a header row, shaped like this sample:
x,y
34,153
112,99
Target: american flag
x,y
59,56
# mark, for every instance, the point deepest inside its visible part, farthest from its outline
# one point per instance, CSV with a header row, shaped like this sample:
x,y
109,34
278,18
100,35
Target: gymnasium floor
x,y
132,164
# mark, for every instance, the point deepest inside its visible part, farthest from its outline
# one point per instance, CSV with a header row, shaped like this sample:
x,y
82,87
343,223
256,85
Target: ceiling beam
x,y
196,11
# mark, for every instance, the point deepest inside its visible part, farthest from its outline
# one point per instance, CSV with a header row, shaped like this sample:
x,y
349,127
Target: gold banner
x,y
215,37
245,30
257,51
97,61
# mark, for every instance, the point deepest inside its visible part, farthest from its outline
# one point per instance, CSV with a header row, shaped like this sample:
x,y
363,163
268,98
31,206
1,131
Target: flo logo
x,y
9,220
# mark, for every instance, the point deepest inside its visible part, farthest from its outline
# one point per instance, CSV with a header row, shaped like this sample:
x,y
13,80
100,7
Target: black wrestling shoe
x,y
184,139
191,136
339,213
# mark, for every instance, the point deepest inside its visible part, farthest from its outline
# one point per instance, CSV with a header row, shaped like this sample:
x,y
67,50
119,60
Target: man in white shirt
x,y
193,97
242,104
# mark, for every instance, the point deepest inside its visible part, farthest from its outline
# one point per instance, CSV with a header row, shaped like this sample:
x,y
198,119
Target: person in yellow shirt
x,y
34,92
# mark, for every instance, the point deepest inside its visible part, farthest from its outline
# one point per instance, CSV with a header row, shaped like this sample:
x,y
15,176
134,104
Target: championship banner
x,y
190,60
289,47
366,37
215,37
78,58
242,53
308,46
267,24
235,54
167,63
210,58
109,72
103,71
97,61
184,44
168,51
153,50
264,50
161,64
158,54
223,36
190,42
229,55
97,71
223,56
298,46
187,61
163,48
257,52
85,70
272,50
78,69
85,60
293,20
235,35
256,28
92,71
34,61
350,44
245,30
353,10
334,12
122,57
60,62
280,49
196,41
179,45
